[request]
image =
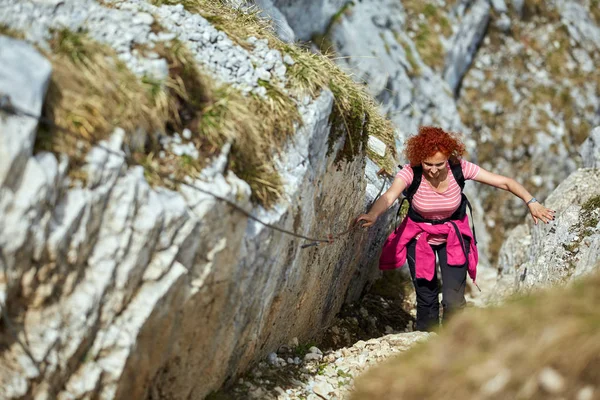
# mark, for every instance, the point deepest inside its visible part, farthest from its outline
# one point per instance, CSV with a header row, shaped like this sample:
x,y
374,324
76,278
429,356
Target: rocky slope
x,y
538,256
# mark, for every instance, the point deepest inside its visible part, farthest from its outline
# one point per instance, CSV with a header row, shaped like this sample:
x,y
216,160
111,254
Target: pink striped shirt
x,y
432,204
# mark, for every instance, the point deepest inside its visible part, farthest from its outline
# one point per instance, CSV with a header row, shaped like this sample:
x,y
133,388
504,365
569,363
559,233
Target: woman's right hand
x,y
368,219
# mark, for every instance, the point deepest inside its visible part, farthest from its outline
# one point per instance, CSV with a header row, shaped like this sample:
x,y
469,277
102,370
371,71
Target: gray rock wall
x,y
590,150
119,290
307,17
466,42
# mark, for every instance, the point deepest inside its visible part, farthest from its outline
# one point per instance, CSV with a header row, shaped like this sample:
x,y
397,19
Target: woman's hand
x,y
539,212
368,219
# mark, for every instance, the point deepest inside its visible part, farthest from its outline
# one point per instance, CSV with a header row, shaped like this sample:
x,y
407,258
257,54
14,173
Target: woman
x,y
437,222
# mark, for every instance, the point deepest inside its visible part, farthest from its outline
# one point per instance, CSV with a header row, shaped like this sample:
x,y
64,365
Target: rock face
x,y
466,41
35,69
542,255
115,289
307,17
590,150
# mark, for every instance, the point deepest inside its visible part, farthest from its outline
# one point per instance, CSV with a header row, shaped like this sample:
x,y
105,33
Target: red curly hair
x,y
429,141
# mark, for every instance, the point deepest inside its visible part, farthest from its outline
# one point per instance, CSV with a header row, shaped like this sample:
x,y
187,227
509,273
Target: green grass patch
x,y
591,205
595,10
410,56
91,92
302,349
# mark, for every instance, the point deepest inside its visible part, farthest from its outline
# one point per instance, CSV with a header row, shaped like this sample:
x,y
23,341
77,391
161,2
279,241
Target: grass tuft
x,y
90,93
5,30
354,109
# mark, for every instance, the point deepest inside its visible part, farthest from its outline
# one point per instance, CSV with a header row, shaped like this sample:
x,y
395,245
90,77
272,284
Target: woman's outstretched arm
x,y
537,210
382,203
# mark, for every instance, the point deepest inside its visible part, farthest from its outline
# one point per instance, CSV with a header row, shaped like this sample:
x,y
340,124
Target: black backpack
x,y
460,213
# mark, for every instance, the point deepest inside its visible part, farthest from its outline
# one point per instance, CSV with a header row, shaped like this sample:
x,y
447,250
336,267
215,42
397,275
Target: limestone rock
x,y
280,22
564,249
24,77
466,42
590,150
129,290
308,17
581,26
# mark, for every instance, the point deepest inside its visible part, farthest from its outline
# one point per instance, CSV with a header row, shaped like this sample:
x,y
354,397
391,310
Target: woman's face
x,y
434,166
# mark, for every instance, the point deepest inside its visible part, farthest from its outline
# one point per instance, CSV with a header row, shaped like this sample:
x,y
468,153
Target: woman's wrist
x,y
373,215
532,200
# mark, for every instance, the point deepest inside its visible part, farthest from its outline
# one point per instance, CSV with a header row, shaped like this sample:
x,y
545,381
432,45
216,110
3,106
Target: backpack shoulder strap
x,y
458,174
460,179
410,191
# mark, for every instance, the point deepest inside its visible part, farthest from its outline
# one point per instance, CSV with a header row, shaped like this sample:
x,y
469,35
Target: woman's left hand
x,y
539,212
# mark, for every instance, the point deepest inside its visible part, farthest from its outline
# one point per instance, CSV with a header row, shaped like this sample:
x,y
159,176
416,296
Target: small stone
x,y
165,36
537,180
323,389
279,390
360,344
503,23
551,381
313,357
288,60
294,342
272,358
291,361
187,134
378,147
586,393
143,18
497,383
261,91
263,74
315,350
329,358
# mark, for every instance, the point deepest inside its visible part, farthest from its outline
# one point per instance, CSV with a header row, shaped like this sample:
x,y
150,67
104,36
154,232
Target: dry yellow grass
x,y
92,92
7,31
513,344
354,108
595,10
